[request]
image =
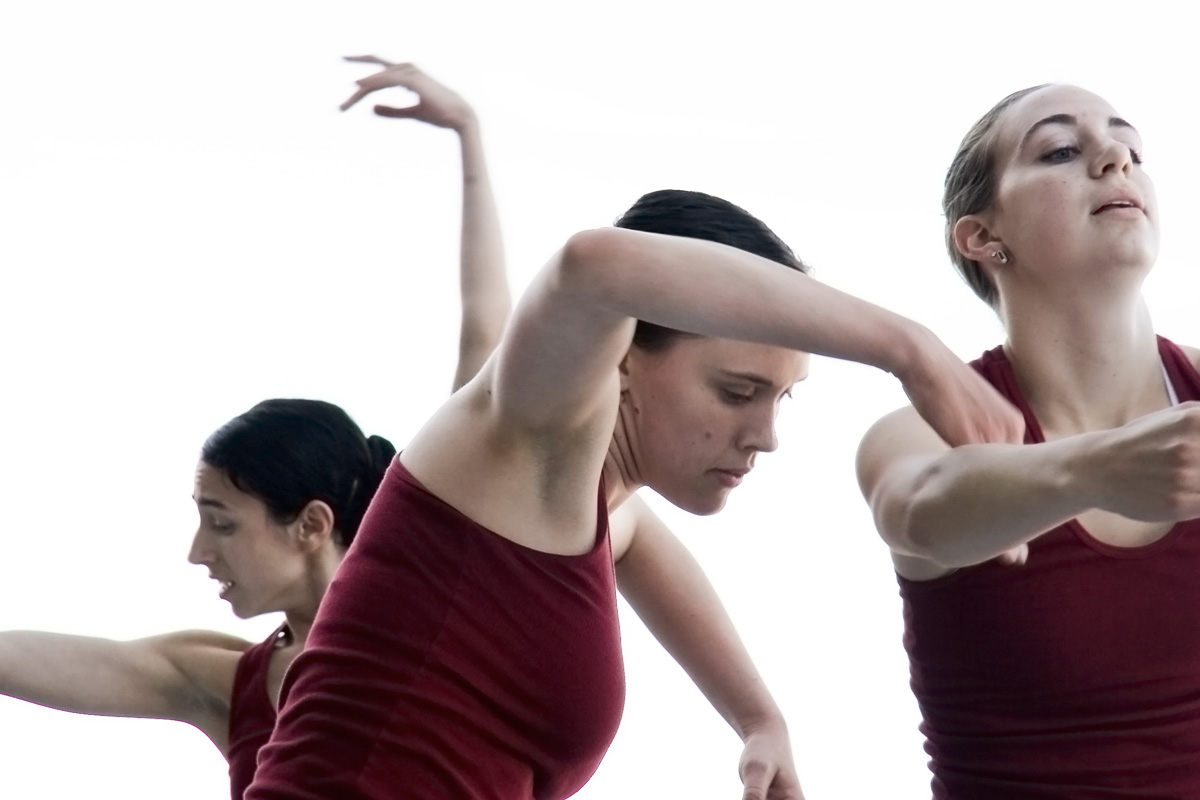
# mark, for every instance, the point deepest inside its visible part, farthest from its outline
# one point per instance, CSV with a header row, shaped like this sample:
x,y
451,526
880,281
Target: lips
x,y
224,585
1120,202
730,477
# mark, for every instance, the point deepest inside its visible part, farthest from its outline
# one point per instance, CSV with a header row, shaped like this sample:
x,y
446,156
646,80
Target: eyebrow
x,y
1068,119
205,502
757,380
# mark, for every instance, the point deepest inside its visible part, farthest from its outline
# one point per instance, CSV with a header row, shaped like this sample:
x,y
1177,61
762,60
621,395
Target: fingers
x,y
756,780
369,60
354,98
1014,557
396,113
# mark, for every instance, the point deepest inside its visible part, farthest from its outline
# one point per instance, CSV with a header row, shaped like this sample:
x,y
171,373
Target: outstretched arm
x,y
186,676
486,301
666,587
942,508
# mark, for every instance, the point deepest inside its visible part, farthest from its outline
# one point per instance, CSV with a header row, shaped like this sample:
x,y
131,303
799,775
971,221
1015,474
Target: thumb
x,y
756,779
392,111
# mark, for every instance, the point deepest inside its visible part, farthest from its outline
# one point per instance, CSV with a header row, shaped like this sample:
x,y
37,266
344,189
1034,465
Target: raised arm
x,y
666,587
486,301
186,676
575,323
939,508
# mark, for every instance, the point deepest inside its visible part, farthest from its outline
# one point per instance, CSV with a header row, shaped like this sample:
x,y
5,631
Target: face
x,y
1072,196
258,562
698,413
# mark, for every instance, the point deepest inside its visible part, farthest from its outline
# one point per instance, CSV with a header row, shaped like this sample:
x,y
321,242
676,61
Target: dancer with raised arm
x,y
469,648
281,491
1074,672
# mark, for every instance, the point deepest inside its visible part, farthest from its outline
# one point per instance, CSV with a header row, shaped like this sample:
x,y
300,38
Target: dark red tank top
x,y
1074,676
449,662
251,714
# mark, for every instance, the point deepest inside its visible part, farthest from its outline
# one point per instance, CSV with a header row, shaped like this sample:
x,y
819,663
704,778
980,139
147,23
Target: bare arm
x,y
664,584
186,676
575,323
962,506
486,301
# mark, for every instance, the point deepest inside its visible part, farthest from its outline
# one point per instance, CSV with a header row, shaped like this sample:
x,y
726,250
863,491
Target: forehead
x,y
779,365
1049,101
212,484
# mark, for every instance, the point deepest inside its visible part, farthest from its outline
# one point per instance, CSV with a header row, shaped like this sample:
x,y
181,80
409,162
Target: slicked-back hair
x,y
970,188
288,453
676,212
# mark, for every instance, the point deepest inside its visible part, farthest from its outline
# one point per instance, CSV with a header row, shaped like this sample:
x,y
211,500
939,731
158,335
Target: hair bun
x,y
382,453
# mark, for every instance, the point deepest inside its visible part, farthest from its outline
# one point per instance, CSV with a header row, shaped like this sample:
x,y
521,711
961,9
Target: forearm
x,y
710,289
486,301
679,606
973,503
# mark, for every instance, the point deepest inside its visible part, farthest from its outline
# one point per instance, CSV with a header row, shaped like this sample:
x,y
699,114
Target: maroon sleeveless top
x,y
251,714
447,662
1076,675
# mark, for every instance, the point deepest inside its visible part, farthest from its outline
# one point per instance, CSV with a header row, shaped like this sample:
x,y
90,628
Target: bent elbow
x,y
912,523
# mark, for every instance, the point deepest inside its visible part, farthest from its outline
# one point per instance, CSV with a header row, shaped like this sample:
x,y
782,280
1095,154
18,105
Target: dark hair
x,y
971,188
288,453
700,216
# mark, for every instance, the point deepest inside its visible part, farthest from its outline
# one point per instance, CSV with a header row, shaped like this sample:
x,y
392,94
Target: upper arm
x,y
557,364
893,454
654,569
183,676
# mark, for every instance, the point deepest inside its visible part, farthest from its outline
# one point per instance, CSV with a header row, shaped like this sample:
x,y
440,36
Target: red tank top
x,y
1074,676
251,714
447,662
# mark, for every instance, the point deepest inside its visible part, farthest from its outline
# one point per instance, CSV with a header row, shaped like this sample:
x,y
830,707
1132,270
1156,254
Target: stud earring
x,y
1000,256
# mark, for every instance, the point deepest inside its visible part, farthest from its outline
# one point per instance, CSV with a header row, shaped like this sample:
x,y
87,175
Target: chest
x,y
1076,617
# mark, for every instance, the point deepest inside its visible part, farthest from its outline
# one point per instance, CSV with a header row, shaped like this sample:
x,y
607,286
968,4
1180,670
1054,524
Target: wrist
x,y
905,348
767,723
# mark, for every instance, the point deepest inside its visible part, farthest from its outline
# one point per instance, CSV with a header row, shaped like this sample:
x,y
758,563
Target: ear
x,y
623,369
314,526
976,240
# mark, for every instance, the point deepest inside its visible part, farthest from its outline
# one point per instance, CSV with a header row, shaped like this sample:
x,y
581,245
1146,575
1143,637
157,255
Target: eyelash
x,y
1051,157
736,398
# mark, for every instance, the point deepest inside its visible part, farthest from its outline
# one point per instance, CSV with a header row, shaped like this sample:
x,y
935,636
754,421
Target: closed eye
x,y
735,397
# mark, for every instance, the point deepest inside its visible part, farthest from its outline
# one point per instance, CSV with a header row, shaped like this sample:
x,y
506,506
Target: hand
x,y
1014,557
956,401
767,769
1148,469
436,104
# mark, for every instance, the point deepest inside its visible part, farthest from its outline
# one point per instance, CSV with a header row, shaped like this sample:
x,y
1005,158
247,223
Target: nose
x,y
200,552
1114,156
759,431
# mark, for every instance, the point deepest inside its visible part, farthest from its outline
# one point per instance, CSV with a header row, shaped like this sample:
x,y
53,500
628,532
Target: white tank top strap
x,y
1171,393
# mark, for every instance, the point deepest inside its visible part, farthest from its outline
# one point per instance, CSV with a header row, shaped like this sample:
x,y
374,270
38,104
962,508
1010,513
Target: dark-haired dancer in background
x,y
281,490
469,647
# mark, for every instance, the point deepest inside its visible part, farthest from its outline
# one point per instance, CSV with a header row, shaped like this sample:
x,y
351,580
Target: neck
x,y
320,574
1085,365
622,475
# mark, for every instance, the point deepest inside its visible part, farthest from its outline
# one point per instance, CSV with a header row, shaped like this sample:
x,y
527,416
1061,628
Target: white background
x,y
188,225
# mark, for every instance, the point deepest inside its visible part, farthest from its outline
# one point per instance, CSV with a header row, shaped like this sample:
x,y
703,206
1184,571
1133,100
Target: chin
x,y
701,505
